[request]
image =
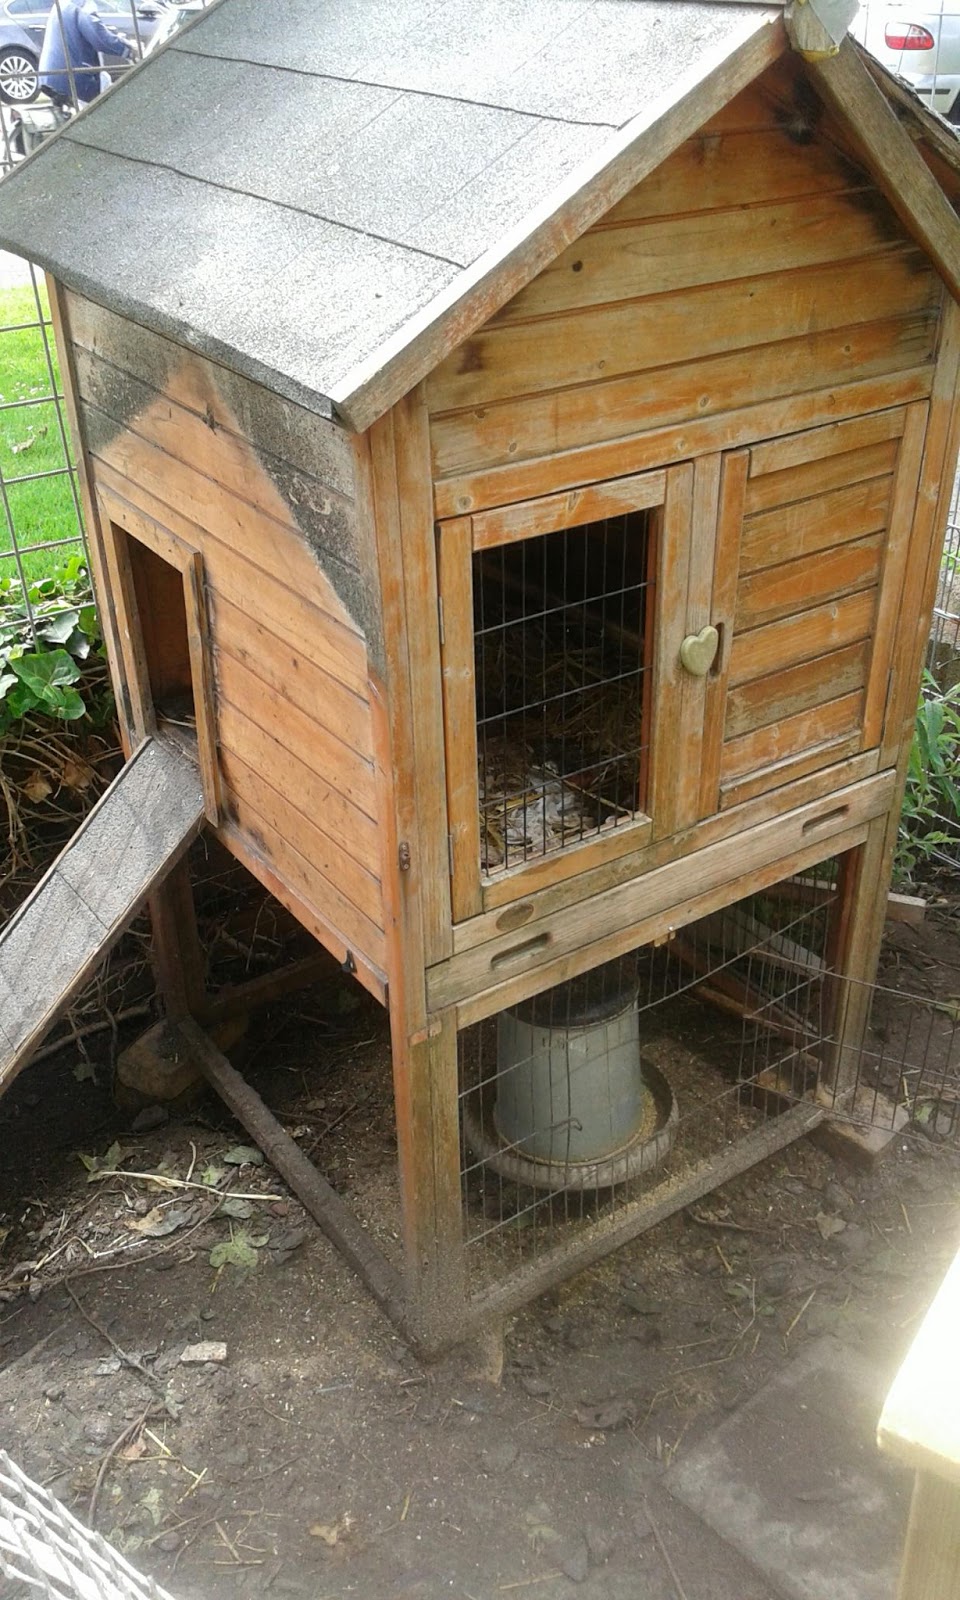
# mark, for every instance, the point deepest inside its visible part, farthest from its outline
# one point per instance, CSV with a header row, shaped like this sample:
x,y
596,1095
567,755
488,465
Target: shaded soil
x,y
321,1457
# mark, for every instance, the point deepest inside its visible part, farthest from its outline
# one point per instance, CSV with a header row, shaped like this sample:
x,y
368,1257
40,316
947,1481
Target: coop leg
x,y
863,1123
428,1139
177,954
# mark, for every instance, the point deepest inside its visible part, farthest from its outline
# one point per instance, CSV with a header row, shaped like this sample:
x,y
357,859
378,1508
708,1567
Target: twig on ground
x,y
678,1586
133,1362
129,1433
799,1315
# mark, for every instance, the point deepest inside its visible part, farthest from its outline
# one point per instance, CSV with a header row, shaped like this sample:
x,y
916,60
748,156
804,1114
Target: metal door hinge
x,y
403,856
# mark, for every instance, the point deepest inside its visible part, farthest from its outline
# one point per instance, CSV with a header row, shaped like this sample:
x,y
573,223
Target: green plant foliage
x,y
43,676
933,779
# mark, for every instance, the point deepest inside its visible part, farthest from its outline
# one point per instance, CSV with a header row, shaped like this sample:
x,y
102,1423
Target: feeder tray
x,y
649,1145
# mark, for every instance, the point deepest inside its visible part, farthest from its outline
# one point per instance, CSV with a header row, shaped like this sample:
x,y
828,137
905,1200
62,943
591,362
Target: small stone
x,y
96,1429
533,1385
644,1304
606,1415
149,1118
206,1350
601,1543
498,1458
55,1392
169,1543
573,1557
854,1241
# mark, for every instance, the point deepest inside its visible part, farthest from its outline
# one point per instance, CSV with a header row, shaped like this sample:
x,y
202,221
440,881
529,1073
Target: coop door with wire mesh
x,y
597,1107
550,636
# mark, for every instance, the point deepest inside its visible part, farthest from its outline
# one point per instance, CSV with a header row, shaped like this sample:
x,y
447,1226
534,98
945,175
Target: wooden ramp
x,y
136,832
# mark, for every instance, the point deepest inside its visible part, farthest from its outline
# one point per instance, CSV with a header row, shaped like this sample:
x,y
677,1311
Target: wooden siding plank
x,y
690,732
323,640
370,970
776,592
221,398
298,868
783,694
706,247
311,508
817,444
273,545
602,341
351,829
778,741
826,756
742,167
809,526
347,773
521,428
801,637
731,430
821,476
568,510
291,675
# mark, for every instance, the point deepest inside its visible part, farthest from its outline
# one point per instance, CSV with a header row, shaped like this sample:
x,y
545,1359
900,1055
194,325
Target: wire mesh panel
x,y
44,1551
646,1081
40,522
563,640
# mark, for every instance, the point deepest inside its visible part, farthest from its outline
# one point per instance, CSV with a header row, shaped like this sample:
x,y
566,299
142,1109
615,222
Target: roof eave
x,y
640,146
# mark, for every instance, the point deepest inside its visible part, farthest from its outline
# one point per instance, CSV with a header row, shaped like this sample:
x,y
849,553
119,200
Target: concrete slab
x,y
793,1480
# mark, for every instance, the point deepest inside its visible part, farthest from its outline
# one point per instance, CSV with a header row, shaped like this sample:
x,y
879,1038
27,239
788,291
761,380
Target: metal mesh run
x,y
905,1074
44,1551
562,645
40,522
643,1083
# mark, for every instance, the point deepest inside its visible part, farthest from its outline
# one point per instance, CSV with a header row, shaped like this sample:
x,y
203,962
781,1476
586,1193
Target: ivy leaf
x,y
243,1155
42,671
59,627
240,1250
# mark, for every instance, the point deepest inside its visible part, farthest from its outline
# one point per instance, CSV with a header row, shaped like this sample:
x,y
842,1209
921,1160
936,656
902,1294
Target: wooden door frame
x,y
669,490
119,522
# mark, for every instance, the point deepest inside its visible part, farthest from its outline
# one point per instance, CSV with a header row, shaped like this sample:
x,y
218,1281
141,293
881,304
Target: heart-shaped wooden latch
x,y
699,651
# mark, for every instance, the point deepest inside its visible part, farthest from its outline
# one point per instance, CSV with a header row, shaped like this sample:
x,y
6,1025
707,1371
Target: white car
x,y
920,43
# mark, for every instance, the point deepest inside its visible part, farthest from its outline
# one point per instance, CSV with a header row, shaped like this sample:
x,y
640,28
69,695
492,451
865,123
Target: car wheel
x,y
19,82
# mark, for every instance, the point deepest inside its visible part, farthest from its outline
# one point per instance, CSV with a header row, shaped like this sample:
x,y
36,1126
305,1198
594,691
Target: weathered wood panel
x,y
266,497
602,341
137,831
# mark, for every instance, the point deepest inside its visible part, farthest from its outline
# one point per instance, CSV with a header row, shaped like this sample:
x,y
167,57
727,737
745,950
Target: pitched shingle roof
x,y
301,190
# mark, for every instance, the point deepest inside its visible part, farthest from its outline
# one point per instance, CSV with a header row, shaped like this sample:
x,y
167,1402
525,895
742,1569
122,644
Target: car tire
x,y
19,79
953,115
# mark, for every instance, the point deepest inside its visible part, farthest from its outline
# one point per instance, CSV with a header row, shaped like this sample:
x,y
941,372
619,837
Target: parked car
x,y
21,35
920,43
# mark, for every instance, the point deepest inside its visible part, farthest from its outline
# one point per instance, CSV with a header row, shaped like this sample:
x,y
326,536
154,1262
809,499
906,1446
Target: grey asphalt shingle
x,y
288,190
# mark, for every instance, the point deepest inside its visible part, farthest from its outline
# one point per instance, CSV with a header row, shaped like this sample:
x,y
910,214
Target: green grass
x,y
31,442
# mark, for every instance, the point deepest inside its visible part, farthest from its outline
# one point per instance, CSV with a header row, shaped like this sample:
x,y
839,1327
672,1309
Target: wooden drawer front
x,y
824,520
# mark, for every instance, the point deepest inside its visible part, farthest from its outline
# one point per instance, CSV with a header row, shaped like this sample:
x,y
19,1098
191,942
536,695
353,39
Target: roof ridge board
x,y
404,359
426,94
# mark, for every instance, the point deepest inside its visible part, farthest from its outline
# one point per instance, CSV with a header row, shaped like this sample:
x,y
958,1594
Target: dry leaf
x,y
76,775
36,787
829,1225
135,1450
24,444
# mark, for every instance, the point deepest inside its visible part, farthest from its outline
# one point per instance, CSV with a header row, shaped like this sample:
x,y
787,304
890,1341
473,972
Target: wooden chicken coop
x,y
517,445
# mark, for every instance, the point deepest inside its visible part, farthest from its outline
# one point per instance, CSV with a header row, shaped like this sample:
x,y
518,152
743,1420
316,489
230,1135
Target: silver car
x,y
21,35
921,43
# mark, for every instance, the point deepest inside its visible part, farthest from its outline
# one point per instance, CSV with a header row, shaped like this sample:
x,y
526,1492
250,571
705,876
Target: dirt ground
x,y
320,1458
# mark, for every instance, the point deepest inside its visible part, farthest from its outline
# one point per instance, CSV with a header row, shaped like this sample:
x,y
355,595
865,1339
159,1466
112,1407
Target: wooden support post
x,y
178,958
408,744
